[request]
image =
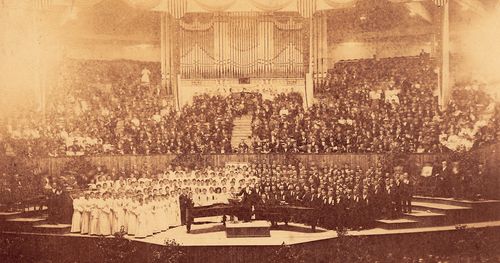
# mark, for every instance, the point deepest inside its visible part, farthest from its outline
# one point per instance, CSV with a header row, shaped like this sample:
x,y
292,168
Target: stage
x,y
213,234
209,244
437,226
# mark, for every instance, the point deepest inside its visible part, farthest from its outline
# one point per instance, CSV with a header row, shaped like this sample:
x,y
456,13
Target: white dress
x,y
151,218
132,217
142,231
105,217
76,220
85,216
119,215
164,218
145,76
94,217
176,212
125,206
169,210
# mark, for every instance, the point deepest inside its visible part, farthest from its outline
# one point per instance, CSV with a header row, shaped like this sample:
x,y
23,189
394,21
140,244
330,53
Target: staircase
x,y
34,221
242,130
437,211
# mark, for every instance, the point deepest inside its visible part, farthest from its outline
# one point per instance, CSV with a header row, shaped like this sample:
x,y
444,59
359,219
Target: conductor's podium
x,y
248,229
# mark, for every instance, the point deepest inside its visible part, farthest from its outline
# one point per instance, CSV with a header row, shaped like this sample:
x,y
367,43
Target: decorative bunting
x,y
271,6
306,8
143,4
177,8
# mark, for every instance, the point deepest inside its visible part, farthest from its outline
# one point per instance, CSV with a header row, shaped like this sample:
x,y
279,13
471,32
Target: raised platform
x,y
429,214
438,211
249,229
52,228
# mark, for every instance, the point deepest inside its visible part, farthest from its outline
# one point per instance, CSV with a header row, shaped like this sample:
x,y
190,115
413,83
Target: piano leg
x,y
188,227
224,220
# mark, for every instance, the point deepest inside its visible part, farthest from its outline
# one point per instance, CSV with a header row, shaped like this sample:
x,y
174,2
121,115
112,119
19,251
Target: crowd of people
x,y
363,106
142,204
378,106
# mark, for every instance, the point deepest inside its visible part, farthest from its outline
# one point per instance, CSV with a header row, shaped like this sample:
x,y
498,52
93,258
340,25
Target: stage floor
x,y
213,234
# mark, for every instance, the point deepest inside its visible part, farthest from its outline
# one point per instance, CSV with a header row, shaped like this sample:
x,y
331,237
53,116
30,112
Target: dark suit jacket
x,y
249,197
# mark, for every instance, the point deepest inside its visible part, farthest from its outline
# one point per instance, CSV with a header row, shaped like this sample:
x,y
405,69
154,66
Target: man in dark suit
x,y
330,210
262,211
183,203
406,192
283,195
292,195
365,209
441,174
247,201
306,198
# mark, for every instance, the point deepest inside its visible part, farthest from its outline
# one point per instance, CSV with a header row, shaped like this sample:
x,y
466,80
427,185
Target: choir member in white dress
x,y
94,214
118,213
176,209
85,214
164,217
141,229
132,210
104,206
76,220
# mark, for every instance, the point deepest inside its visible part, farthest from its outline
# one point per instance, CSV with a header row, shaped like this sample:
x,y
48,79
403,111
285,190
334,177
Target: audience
x,y
363,106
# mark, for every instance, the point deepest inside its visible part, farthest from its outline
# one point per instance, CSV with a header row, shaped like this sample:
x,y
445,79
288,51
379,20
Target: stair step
x,y
420,214
52,228
8,215
242,130
438,206
431,212
452,201
397,223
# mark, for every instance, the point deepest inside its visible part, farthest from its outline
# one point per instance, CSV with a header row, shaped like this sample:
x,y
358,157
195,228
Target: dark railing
x,y
54,165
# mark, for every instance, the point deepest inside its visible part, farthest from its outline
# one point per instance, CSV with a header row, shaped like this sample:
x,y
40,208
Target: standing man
x,y
442,175
183,203
406,193
247,201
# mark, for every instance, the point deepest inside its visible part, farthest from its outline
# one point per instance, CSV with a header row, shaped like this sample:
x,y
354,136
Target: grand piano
x,y
223,210
274,213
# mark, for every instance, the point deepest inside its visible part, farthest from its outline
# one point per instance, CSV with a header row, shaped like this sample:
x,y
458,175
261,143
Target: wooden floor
x,y
213,234
430,214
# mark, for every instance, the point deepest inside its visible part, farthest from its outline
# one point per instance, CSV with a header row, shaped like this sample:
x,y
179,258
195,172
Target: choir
x,y
143,207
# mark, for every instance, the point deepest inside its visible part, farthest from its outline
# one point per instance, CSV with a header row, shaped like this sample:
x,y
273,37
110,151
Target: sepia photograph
x,y
267,131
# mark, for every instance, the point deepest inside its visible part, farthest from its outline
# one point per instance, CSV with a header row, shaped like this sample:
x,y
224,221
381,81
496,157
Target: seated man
x,y
262,209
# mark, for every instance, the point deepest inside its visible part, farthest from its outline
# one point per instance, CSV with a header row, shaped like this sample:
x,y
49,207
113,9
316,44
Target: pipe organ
x,y
246,44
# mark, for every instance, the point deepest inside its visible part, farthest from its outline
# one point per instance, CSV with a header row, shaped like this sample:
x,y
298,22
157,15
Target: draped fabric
x,y
337,4
271,5
289,24
242,45
195,24
177,8
306,8
288,49
215,5
197,53
143,4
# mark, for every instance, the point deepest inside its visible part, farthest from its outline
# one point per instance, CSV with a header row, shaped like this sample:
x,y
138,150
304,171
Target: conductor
x,y
248,199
